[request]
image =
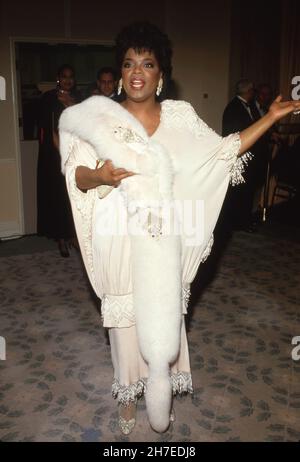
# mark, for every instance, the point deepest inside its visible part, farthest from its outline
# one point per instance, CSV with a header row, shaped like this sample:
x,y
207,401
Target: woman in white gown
x,y
146,182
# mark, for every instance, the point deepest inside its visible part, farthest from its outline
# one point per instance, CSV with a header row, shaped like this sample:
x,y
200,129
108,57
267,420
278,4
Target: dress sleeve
x,y
82,203
79,155
225,148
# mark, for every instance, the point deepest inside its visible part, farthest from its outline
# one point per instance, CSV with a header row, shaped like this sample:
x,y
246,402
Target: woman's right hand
x,y
111,176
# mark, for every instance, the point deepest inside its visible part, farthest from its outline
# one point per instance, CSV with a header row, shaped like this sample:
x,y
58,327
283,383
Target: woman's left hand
x,y
279,109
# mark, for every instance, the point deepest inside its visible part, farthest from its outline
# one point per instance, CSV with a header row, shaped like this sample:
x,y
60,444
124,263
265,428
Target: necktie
x,y
247,106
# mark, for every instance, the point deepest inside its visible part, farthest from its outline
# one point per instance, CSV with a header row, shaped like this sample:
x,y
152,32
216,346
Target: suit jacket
x,y
236,117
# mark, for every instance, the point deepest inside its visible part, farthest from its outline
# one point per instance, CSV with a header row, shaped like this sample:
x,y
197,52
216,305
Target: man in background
x,y
107,82
263,98
239,114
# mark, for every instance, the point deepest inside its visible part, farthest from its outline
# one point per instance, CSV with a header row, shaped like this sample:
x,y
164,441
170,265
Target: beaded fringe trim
x,y
181,383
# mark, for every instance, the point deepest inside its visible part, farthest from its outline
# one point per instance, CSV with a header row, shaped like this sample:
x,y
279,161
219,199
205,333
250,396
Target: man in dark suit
x,y
239,114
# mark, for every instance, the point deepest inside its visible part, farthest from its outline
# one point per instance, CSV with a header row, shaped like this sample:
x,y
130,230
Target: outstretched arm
x,y
277,110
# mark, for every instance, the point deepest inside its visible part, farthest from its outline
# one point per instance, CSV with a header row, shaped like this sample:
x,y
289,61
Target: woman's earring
x,y
120,86
159,87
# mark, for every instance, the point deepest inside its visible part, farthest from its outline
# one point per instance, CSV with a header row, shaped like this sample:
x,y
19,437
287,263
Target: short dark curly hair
x,y
106,70
142,36
64,67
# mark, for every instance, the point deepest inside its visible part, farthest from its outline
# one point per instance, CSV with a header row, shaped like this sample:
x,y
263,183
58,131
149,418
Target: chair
x,y
284,191
287,175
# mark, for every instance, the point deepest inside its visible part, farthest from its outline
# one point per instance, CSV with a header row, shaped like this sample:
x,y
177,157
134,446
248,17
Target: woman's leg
x,y
131,371
128,383
63,248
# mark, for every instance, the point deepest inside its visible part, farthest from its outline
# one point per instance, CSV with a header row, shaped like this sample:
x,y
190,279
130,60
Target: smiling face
x,y
140,75
106,84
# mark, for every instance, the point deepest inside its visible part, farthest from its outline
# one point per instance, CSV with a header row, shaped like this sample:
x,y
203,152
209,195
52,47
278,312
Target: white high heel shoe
x,y
172,415
127,418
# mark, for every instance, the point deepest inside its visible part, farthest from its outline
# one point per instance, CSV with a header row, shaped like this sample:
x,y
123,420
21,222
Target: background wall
x,y
200,32
255,42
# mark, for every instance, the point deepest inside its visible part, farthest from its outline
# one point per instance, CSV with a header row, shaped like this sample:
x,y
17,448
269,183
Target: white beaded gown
x,y
203,164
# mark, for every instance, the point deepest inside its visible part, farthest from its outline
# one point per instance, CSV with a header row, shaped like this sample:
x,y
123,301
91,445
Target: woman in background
x,y
54,211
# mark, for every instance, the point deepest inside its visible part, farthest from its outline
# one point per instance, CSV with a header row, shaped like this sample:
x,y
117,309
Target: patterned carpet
x,y
56,380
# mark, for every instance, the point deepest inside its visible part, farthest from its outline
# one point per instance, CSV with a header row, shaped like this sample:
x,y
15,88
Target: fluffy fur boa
x,y
156,262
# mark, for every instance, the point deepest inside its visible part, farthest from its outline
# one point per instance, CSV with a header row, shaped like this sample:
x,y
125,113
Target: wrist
x,y
271,118
97,177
